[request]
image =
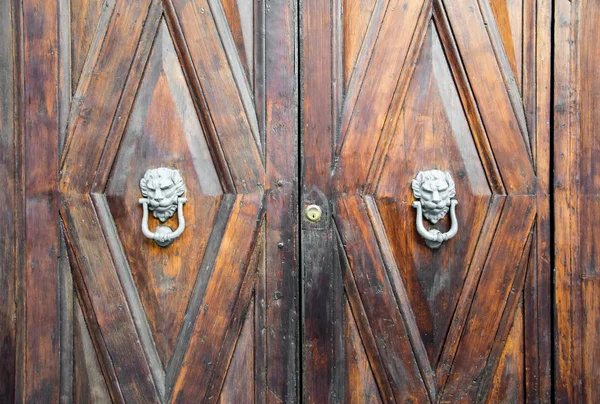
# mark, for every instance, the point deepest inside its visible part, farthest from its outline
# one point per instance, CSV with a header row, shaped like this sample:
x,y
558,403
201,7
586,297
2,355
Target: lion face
x,y
435,189
162,187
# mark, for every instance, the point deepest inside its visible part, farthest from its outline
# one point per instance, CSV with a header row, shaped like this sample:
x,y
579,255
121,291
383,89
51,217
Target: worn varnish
x,y
576,191
417,86
266,107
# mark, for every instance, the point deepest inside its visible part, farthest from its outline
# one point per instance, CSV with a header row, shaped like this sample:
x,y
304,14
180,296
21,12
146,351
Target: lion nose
x,y
158,194
436,196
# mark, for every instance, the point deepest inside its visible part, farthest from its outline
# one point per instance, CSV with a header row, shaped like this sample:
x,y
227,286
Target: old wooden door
x,y
391,89
298,130
192,107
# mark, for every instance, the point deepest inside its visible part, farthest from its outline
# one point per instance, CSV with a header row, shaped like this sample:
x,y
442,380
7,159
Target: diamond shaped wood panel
x,y
165,321
432,133
163,128
446,106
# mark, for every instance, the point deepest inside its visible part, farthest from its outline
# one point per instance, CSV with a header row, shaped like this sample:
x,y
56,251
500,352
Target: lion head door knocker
x,y
162,189
436,191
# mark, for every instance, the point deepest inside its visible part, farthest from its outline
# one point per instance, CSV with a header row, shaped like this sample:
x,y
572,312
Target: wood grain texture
x,y
101,87
576,191
163,130
238,386
432,128
504,263
369,96
224,305
537,87
486,78
360,383
280,281
241,19
89,385
223,87
509,18
322,285
107,311
10,208
378,301
85,18
508,385
40,321
358,16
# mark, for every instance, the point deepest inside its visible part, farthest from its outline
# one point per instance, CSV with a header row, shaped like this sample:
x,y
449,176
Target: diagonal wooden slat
x,y
510,77
377,299
457,325
240,16
506,136
227,298
88,24
101,86
359,131
503,265
202,33
106,305
507,320
401,296
363,327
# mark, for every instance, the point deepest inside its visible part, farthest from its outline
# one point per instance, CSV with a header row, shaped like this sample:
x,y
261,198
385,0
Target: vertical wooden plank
x,y
65,280
281,276
538,359
9,217
577,199
40,370
322,285
568,355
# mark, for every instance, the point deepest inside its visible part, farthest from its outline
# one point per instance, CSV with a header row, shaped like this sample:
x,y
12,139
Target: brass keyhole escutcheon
x,y
313,213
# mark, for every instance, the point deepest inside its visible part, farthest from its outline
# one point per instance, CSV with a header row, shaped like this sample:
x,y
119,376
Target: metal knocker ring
x,y
162,189
436,191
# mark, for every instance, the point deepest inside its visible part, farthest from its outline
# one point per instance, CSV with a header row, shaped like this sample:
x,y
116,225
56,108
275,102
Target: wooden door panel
x,y
419,86
166,322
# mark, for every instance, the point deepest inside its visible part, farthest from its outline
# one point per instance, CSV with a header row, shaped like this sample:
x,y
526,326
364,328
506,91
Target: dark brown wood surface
x,y
390,89
266,107
11,197
93,94
576,191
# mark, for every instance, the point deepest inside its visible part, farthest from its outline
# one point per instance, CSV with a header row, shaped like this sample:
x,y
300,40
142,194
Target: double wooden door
x,y
363,186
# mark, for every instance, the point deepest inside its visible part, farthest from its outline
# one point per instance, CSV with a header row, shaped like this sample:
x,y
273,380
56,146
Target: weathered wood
x,y
360,386
577,202
224,305
369,96
378,300
279,291
223,88
322,287
238,386
502,265
39,272
164,128
89,385
504,132
105,306
10,207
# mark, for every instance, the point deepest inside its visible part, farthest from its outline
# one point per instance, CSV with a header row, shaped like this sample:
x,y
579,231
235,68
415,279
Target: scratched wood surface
x,y
576,191
104,90
266,107
390,89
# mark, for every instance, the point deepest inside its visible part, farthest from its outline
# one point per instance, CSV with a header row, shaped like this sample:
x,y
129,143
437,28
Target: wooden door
x,y
391,89
297,129
203,93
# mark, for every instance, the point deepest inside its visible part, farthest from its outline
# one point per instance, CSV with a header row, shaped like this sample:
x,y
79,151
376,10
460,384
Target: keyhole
x,y
313,213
